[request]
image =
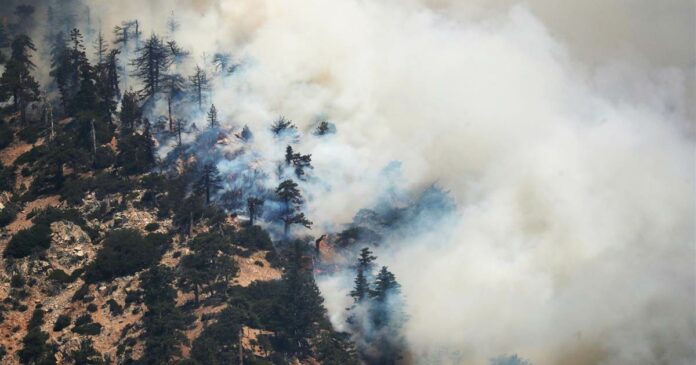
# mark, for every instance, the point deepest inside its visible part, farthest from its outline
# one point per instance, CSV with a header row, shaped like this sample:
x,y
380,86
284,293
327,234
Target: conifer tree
x,y
163,321
254,204
86,354
212,117
290,196
298,161
364,274
4,37
199,85
282,126
209,182
173,87
130,111
302,304
150,65
16,81
100,49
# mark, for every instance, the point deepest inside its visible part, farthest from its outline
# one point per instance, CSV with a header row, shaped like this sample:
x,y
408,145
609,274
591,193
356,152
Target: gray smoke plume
x,y
563,133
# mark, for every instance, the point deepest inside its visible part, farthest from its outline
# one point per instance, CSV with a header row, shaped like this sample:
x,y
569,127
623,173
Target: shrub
x,y
81,292
17,281
7,215
6,135
59,276
91,307
52,214
125,252
62,322
36,349
106,183
28,241
73,190
36,319
90,329
151,227
83,319
135,154
30,133
7,178
32,155
105,157
255,237
114,307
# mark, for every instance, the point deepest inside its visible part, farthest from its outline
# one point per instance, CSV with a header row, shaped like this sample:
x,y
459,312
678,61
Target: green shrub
x,y
33,155
135,154
6,135
151,227
8,214
7,178
62,322
83,319
106,183
52,214
59,276
17,281
30,133
74,190
36,319
36,348
89,329
81,292
125,252
105,157
114,307
255,237
29,241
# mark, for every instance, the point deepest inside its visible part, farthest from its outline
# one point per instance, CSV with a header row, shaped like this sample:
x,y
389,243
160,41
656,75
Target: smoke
x,y
571,165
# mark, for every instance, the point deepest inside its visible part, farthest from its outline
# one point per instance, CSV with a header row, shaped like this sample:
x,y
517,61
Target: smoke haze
x,y
563,132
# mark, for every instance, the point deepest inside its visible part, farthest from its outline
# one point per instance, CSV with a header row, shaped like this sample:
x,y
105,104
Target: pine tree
x,y
302,304
130,111
172,23
69,67
246,134
4,37
221,61
282,126
107,82
199,85
387,317
212,117
100,49
290,196
209,182
86,354
173,87
209,267
364,274
299,162
177,53
17,81
254,204
164,322
150,65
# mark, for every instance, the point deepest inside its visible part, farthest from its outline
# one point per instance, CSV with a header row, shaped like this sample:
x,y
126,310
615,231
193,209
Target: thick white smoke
x,y
574,238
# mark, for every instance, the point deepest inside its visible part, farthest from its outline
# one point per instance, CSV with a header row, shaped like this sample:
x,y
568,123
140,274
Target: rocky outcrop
x,y
70,247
